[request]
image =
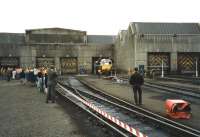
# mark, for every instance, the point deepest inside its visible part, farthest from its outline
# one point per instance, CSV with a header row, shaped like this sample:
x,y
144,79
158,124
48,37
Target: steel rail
x,y
163,120
169,88
173,89
68,95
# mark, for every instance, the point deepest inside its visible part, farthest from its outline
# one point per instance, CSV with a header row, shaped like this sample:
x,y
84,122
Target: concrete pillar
x,y
33,51
27,57
57,63
173,61
135,51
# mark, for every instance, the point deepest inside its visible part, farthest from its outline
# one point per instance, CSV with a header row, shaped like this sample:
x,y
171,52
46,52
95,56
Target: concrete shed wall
x,y
170,44
124,51
84,53
131,48
24,53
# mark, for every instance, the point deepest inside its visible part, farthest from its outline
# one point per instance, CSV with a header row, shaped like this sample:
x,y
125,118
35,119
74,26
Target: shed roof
x,y
55,29
12,38
101,39
166,28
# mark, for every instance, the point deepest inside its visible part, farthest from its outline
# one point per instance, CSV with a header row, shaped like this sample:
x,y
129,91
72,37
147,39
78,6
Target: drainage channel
x,y
128,116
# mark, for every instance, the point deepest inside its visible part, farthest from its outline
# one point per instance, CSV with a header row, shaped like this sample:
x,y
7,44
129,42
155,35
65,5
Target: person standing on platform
x,y
1,74
35,72
9,73
51,83
14,72
22,76
137,80
45,81
40,86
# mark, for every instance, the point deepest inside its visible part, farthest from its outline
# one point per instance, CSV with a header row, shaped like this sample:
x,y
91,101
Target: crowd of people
x,y
43,78
24,74
46,79
8,73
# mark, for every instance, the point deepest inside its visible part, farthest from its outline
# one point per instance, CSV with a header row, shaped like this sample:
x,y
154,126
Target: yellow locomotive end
x,y
106,65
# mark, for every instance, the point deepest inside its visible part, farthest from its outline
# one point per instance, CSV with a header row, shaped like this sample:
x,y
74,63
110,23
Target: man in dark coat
x,y
51,83
40,81
9,74
136,81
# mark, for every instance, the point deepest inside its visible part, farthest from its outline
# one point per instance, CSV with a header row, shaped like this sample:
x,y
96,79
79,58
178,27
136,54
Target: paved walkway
x,y
24,113
152,100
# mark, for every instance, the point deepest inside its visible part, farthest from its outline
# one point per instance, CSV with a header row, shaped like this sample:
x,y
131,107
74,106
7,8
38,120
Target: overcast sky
x,y
101,17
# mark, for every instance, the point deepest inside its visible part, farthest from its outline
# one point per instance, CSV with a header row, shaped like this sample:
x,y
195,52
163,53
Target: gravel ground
x,y
24,113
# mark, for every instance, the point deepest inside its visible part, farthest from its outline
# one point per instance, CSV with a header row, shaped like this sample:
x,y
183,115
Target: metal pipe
x,y
196,67
162,75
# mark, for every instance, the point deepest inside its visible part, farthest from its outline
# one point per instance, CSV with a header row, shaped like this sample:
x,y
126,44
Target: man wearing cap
x,y
51,83
136,80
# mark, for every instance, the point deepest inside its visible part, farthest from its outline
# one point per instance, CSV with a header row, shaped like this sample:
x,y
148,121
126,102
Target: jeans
x,y
137,92
51,93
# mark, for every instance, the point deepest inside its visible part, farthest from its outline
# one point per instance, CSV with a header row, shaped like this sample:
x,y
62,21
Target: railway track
x,y
195,93
174,89
181,79
121,116
77,100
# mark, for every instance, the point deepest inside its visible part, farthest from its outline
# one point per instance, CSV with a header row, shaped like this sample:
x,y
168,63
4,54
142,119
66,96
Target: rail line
x,y
195,93
127,116
174,89
76,100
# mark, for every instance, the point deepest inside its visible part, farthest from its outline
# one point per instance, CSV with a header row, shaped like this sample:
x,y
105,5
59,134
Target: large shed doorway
x,y
44,62
187,62
69,65
9,62
155,61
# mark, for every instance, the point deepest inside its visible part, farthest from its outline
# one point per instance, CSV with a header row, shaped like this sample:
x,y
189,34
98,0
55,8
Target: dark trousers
x,y
137,92
51,93
8,78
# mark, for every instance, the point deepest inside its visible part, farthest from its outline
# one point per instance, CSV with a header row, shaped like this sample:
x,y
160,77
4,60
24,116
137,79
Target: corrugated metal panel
x,y
9,61
45,62
100,39
155,61
166,28
12,38
187,62
55,31
69,65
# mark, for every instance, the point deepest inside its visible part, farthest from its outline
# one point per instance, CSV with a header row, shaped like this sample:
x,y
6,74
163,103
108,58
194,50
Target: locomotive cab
x,y
106,65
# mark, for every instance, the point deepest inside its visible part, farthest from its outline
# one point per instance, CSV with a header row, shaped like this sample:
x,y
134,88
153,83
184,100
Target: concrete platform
x,y
24,113
152,100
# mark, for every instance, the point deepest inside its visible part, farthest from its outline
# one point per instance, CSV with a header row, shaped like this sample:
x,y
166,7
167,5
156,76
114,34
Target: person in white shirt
x,y
14,72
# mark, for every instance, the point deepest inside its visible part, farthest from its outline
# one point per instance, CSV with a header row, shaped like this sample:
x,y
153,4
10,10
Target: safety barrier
x,y
123,125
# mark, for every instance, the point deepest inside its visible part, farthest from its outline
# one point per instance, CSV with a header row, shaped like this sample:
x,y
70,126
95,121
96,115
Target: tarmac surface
x,y
152,100
24,113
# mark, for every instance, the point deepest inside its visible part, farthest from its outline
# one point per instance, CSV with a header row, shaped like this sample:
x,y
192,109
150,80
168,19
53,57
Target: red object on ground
x,y
176,108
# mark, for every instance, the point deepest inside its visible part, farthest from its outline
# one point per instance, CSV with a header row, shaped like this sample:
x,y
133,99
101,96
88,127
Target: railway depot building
x,y
149,45
143,45
68,50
